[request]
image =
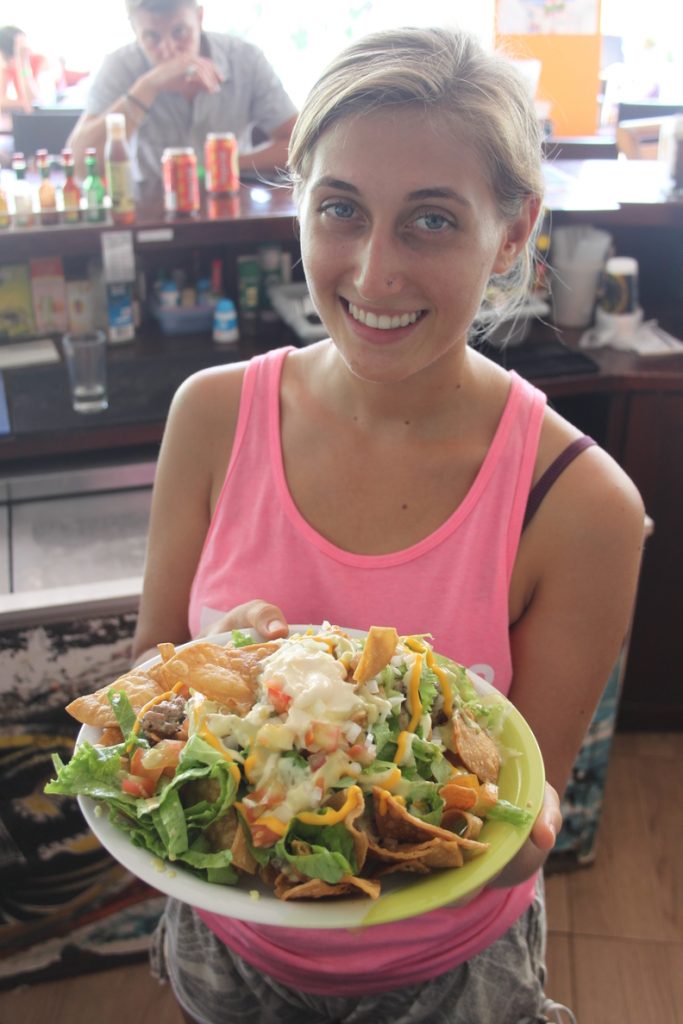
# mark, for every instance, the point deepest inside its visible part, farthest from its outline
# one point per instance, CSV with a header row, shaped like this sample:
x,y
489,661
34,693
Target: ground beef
x,y
163,721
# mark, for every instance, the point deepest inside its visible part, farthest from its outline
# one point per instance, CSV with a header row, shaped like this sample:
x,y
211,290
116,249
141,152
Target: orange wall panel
x,y
569,77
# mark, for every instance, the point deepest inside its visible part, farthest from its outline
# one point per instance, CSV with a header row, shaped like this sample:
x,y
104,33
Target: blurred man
x,y
175,84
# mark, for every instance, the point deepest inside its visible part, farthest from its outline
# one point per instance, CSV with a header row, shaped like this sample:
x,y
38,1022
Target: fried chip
x,y
452,819
377,653
166,651
395,823
242,857
316,889
225,674
359,835
95,709
110,737
420,857
475,748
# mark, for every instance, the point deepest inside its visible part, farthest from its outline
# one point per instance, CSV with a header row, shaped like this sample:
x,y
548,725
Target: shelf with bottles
x,y
176,293
50,197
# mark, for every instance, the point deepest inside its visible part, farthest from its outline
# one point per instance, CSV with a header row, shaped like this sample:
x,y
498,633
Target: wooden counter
x,y
633,407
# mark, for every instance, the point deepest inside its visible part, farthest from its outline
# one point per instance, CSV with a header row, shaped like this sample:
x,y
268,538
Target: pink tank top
x,y
453,584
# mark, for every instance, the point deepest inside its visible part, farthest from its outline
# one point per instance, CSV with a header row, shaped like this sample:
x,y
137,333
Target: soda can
x,y
181,184
221,168
220,207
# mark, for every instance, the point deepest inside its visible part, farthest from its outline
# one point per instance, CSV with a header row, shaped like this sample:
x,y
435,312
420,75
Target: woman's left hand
x,y
549,821
541,840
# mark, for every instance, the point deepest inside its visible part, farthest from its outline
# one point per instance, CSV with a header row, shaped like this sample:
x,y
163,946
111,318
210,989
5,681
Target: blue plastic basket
x,y
184,320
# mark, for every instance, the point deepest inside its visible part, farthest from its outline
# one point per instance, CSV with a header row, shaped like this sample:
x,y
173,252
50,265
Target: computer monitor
x,y
42,129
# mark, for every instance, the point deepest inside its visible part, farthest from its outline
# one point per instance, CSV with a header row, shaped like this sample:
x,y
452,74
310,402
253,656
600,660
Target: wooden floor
x,y
615,943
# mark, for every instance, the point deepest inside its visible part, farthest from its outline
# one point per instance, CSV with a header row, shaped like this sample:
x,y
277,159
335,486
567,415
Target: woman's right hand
x,y
267,619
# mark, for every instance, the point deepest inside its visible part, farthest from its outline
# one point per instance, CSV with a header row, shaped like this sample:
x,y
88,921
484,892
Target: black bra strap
x,y
546,481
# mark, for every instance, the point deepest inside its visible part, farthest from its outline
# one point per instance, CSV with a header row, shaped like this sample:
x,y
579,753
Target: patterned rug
x,y
66,906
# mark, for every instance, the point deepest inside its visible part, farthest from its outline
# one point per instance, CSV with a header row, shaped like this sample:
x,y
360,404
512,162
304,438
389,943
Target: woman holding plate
x,y
381,477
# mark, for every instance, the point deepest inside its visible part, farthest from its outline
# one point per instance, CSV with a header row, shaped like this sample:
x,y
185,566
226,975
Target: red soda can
x,y
181,184
221,168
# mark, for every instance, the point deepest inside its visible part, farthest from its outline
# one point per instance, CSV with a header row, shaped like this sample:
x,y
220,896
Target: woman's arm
x,y
192,463
582,551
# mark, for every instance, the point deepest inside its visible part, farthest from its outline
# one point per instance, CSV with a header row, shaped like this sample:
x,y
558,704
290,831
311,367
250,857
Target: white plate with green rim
x,y
521,782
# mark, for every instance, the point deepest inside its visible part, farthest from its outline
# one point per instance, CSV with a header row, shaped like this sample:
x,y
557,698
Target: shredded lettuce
x,y
92,771
428,688
161,823
513,815
326,852
241,639
423,800
123,711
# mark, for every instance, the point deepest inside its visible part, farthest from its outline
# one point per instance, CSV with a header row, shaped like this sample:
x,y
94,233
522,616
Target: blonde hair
x,y
445,72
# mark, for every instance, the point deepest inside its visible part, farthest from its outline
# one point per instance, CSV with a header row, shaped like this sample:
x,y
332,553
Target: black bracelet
x,y
137,102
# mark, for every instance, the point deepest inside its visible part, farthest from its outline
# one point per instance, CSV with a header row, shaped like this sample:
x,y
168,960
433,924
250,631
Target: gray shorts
x,y
215,986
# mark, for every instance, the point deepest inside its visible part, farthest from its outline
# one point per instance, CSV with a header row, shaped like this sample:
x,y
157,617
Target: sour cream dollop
x,y
316,683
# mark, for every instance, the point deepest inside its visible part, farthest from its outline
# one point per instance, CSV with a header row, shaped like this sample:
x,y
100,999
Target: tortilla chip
x,y
110,737
221,832
377,653
475,748
453,818
421,857
359,836
225,674
395,823
166,651
94,708
315,889
242,857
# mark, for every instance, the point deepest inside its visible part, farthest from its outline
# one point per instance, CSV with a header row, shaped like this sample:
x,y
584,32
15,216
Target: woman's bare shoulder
x,y
208,398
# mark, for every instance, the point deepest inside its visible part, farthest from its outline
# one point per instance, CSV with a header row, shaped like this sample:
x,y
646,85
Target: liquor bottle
x,y
93,189
118,169
47,193
4,209
71,193
22,194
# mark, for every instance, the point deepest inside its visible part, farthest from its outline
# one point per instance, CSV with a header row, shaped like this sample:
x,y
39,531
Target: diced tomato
x,y
138,768
162,759
262,836
323,736
277,697
261,800
359,752
135,785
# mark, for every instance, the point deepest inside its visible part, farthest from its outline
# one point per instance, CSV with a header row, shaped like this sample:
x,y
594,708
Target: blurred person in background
x,y
25,77
175,84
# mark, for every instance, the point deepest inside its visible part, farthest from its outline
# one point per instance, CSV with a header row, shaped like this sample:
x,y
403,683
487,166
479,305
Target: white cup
x,y
85,356
574,291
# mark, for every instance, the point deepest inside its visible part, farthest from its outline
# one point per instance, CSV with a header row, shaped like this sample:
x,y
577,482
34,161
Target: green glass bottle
x,y
93,189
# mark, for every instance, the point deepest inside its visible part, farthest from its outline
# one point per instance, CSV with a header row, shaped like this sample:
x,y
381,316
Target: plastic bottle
x,y
225,329
118,169
24,216
94,191
71,193
47,193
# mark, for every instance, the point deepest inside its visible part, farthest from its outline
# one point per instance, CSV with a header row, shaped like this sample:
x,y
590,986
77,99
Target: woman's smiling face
x,y
400,233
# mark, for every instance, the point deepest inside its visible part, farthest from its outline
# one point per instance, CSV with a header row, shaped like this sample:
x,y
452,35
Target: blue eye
x,y
340,209
433,221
